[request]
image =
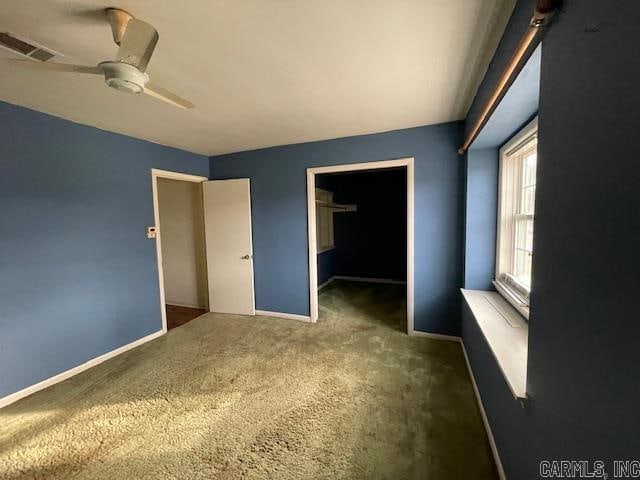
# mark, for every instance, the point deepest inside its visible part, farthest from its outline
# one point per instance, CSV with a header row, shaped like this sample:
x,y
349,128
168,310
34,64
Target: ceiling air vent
x,y
24,48
41,54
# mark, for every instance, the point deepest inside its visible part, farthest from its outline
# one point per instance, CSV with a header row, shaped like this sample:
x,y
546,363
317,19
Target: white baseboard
x,y
485,420
362,279
368,280
188,305
435,336
320,287
14,397
288,316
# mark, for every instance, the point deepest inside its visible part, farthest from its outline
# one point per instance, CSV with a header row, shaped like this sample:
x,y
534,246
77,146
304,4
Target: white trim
x,y
353,167
520,137
483,414
436,336
186,305
362,279
311,216
320,287
410,246
288,316
155,174
186,177
76,370
313,246
501,258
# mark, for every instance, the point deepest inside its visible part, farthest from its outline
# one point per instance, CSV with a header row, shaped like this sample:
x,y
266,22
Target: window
x,y
324,220
518,159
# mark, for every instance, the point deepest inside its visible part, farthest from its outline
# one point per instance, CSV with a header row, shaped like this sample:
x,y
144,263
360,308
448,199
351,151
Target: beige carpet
x,y
226,397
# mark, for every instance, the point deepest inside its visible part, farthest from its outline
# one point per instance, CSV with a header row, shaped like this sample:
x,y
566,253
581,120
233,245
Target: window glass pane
x,y
522,266
521,234
528,200
529,168
529,235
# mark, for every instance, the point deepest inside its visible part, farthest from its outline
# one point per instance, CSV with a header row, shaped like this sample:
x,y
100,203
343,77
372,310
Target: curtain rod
x,y
541,17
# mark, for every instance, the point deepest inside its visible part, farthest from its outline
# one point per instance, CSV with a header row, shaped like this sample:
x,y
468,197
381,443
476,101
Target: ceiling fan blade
x,y
137,44
165,95
55,67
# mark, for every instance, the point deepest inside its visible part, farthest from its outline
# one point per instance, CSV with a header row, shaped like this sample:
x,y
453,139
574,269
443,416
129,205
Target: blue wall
x,y
517,107
372,241
326,266
279,202
584,329
79,277
481,216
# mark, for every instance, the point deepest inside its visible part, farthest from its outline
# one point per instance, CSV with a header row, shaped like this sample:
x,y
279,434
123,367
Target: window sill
x,y
506,333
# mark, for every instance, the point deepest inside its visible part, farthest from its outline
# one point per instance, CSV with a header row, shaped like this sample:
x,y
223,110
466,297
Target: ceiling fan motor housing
x,y
124,77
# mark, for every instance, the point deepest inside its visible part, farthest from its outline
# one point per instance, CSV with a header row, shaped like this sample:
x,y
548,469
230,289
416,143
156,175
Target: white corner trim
x,y
14,397
435,336
367,280
485,420
288,316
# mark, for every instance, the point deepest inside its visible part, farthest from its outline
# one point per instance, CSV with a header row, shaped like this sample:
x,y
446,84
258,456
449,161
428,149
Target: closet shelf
x,y
339,207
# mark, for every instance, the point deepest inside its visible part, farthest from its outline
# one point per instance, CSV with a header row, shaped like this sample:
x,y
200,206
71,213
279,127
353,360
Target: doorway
x,y
197,259
180,245
314,193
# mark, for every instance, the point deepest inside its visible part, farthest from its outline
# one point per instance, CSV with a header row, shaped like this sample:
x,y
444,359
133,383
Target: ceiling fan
x,y
136,40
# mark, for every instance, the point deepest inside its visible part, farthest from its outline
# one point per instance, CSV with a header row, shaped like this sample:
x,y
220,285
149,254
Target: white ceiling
x,y
263,72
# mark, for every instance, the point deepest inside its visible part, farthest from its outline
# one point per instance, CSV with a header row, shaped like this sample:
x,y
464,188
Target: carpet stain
x,y
228,396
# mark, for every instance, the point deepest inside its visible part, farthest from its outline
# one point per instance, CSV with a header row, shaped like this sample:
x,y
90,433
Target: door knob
x,y
246,257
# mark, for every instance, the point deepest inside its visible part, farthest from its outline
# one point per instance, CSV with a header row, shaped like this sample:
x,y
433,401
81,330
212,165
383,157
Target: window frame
x,y
512,291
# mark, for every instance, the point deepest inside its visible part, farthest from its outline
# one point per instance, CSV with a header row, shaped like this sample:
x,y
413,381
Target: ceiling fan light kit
x,y
137,41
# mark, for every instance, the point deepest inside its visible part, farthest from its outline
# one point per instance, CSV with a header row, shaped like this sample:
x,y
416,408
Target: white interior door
x,y
227,224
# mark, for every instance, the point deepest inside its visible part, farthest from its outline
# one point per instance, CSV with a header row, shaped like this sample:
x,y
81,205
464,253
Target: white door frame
x,y
155,174
311,216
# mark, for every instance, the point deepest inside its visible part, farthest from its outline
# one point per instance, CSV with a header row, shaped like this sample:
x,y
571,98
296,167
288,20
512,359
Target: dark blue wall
x,y
481,215
326,266
78,275
279,202
584,326
372,241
